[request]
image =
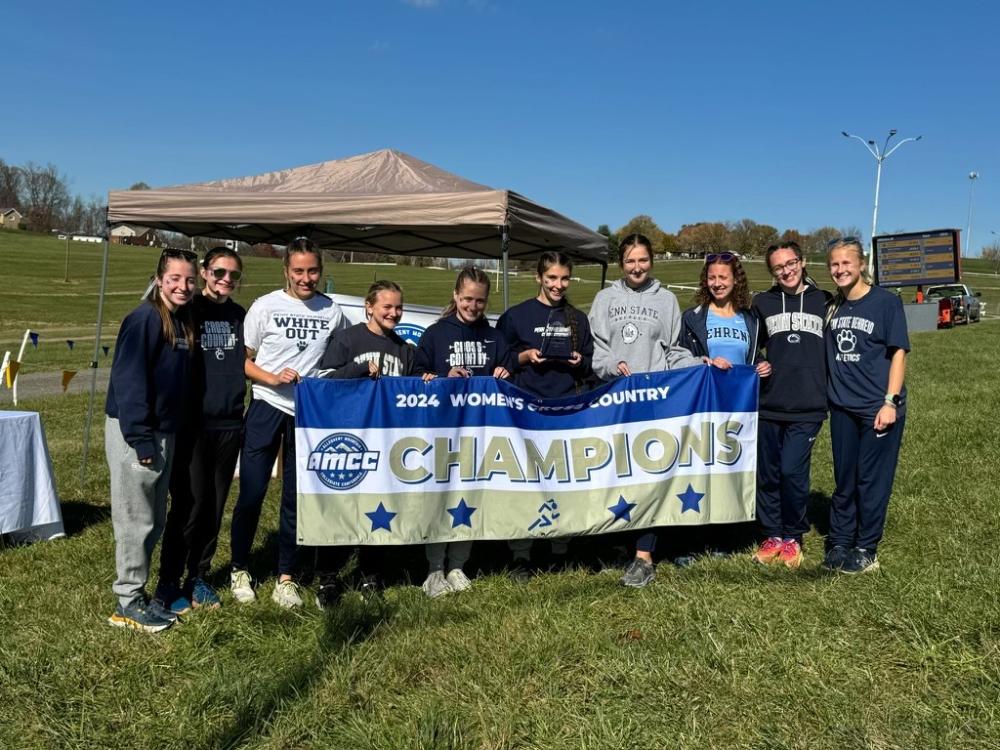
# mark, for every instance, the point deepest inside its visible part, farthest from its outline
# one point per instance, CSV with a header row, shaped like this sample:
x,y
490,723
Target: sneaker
x,y
860,561
328,595
769,551
203,596
436,584
286,594
138,616
638,574
172,598
369,586
458,580
836,557
791,553
154,606
521,571
241,585
683,561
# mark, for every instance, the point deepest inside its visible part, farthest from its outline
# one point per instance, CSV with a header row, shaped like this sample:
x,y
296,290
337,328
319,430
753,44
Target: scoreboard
x,y
917,258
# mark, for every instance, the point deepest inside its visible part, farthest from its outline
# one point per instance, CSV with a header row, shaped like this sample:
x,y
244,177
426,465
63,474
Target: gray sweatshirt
x,y
640,328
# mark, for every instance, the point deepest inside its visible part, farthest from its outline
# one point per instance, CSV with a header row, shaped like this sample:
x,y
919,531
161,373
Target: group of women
x,y
175,401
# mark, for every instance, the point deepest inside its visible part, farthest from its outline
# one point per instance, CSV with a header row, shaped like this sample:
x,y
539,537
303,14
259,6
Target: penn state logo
x,y
630,332
846,341
409,332
342,460
794,338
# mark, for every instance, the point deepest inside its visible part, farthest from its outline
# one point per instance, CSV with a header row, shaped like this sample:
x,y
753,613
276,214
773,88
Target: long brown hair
x,y
183,313
555,258
473,275
740,296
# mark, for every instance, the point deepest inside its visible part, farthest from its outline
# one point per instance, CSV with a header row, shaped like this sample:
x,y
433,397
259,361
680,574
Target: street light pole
x,y
880,156
973,176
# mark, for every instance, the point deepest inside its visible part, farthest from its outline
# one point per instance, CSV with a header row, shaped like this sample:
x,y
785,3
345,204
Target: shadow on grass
x,y
818,512
352,622
78,515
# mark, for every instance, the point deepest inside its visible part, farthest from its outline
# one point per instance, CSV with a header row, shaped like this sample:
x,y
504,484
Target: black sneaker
x,y
860,561
328,595
138,616
638,574
836,557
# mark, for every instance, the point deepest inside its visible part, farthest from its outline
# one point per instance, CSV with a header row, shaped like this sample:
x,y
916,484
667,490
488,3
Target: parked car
x,y
965,306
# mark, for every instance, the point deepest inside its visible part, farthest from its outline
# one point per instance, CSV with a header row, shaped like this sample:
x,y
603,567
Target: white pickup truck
x,y
965,307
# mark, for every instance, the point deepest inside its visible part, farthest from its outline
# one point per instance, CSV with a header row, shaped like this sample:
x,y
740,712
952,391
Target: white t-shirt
x,y
289,332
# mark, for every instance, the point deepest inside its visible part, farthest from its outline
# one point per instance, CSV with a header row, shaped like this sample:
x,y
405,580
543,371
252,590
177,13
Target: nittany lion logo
x,y
846,341
630,332
342,460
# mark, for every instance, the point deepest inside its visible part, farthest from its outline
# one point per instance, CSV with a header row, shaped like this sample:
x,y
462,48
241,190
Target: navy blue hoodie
x,y
220,378
450,343
523,326
792,333
150,380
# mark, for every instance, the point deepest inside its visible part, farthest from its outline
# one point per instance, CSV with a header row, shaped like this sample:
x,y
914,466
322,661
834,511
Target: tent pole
x,y
94,361
504,242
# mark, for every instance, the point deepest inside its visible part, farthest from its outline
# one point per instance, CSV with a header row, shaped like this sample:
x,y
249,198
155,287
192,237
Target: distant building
x,y
10,218
130,235
86,238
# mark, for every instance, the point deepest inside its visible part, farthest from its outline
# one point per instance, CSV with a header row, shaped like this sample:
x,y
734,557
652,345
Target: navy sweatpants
x,y
864,466
263,431
784,454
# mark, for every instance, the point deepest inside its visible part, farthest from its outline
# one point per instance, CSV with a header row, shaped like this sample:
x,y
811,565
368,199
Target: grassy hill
x,y
719,655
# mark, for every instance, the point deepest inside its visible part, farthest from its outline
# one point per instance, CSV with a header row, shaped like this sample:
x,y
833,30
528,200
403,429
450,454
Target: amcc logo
x,y
342,460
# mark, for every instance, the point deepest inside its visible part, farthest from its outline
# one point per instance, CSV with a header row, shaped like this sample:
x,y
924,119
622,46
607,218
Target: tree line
x,y
41,195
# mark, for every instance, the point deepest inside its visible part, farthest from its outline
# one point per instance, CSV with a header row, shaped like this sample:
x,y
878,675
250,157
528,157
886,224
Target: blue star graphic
x,y
690,499
461,514
381,518
622,510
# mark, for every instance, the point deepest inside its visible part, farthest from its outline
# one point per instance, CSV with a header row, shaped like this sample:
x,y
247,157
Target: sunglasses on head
x,y
838,240
182,254
716,257
220,273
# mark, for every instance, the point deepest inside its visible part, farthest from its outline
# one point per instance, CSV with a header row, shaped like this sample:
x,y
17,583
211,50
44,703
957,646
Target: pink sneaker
x,y
768,551
791,553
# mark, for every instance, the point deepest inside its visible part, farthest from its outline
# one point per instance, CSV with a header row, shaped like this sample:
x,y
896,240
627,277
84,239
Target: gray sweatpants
x,y
456,552
138,507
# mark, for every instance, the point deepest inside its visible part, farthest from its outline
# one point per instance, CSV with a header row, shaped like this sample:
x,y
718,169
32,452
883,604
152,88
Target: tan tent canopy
x,y
385,201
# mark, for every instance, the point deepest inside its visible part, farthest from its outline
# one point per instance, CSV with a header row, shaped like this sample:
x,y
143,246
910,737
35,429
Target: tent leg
x,y
504,242
93,365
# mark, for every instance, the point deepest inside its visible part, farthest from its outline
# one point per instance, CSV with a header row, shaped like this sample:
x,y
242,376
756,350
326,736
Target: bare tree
x,y
10,185
45,196
991,253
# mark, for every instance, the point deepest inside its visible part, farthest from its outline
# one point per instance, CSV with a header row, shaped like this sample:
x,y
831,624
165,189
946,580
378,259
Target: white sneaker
x,y
458,580
241,585
436,585
286,594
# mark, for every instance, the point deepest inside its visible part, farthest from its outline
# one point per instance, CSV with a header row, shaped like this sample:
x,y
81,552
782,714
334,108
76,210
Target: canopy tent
x,y
385,201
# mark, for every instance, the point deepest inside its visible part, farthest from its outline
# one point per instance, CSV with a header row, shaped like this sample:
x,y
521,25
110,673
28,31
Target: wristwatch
x,y
893,400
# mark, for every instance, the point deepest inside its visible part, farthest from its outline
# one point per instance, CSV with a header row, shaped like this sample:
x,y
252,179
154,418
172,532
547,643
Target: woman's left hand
x,y
501,372
885,418
763,369
721,362
428,377
373,372
575,359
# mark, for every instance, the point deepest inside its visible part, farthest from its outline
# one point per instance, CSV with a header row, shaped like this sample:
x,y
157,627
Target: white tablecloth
x,y
28,500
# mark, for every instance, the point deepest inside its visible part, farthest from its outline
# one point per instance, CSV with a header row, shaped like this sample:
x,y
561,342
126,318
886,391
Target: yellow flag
x,y
11,372
67,376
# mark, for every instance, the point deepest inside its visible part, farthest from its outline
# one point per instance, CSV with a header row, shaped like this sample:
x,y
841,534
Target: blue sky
x,y
602,110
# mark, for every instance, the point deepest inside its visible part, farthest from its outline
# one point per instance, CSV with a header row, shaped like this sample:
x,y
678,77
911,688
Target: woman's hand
x,y
763,369
530,356
885,418
373,371
575,359
501,373
288,375
623,369
721,362
459,372
428,377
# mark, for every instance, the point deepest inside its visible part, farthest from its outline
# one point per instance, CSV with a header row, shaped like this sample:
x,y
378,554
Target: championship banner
x,y
400,461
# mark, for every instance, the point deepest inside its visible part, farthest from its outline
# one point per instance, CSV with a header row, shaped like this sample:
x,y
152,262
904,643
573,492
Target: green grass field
x,y
719,655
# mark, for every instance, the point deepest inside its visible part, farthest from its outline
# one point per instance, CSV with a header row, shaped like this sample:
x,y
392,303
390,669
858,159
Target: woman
x,y
206,453
636,324
554,349
149,383
460,345
365,350
866,346
286,333
792,402
722,330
